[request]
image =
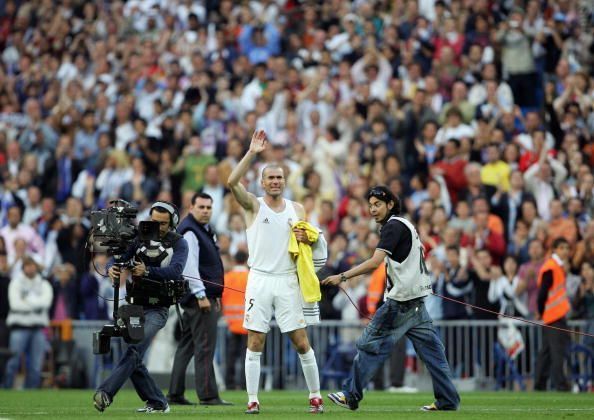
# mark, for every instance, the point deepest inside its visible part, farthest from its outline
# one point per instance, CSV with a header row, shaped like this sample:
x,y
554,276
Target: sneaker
x,y
253,408
101,401
316,405
149,409
340,399
402,389
430,407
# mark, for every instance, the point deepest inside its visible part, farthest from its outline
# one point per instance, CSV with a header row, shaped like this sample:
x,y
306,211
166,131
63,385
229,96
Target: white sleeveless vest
x,y
268,239
409,279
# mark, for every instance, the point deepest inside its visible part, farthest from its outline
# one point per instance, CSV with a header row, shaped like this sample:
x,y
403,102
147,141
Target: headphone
x,y
171,209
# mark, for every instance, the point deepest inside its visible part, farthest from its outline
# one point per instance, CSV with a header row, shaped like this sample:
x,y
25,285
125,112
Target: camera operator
x,y
150,265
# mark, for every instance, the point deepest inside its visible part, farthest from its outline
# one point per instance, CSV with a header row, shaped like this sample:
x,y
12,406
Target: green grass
x,y
293,405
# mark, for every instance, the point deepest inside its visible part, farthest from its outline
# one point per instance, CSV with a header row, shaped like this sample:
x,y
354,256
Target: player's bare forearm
x,y
234,181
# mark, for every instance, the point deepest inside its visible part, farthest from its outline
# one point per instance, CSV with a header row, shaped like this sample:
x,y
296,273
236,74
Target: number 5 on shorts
x,y
251,302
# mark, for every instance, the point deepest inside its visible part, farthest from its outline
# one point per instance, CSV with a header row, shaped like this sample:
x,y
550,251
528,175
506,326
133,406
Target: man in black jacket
x,y
201,307
155,263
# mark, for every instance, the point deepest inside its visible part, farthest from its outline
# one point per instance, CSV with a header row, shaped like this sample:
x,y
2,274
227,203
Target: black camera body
x,y
129,326
114,229
149,292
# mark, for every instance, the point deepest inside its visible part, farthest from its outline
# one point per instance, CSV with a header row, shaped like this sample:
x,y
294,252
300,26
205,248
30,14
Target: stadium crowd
x,y
478,114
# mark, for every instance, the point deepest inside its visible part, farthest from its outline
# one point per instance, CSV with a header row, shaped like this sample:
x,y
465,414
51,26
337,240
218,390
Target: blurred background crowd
x,y
477,113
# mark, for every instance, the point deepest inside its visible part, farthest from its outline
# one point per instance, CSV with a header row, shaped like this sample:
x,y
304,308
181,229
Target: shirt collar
x,y
557,260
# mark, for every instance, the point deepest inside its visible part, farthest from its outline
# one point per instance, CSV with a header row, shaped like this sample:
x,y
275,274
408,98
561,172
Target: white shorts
x,y
268,294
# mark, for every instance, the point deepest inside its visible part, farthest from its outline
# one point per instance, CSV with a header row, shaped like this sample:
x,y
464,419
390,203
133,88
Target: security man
x,y
157,263
553,307
202,307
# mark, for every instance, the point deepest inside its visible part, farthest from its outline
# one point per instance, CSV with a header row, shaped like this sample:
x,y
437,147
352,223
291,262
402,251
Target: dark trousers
x,y
131,365
198,340
236,345
396,365
524,86
551,358
4,349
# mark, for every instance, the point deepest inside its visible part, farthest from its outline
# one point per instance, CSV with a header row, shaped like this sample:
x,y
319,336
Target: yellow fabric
x,y
496,174
302,254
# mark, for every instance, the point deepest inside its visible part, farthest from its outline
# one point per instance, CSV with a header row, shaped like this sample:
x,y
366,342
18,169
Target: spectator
x,y
18,230
483,272
450,167
543,180
507,290
29,297
583,304
495,172
560,225
507,205
517,58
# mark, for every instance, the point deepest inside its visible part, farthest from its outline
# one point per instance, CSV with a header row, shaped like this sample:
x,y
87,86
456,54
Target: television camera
x,y
114,231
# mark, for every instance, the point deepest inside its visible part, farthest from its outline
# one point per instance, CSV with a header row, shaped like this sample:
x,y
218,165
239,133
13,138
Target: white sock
x,y
252,374
310,371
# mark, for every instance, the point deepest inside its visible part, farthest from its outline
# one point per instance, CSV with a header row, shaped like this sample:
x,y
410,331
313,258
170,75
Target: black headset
x,y
169,208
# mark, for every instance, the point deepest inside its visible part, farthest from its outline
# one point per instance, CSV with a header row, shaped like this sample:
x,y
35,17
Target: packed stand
x,y
477,114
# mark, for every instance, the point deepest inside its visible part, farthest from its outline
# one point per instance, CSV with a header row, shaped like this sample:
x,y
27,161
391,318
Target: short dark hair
x,y
201,194
272,166
240,257
560,241
453,248
383,193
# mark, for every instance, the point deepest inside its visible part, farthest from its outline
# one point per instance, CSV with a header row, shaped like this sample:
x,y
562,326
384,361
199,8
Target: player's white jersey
x,y
409,279
268,239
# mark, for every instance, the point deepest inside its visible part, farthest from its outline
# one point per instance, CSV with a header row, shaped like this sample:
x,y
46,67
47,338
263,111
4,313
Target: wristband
x,y
343,278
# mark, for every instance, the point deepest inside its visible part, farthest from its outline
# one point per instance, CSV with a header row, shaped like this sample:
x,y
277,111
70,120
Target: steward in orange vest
x,y
553,303
376,288
553,306
234,302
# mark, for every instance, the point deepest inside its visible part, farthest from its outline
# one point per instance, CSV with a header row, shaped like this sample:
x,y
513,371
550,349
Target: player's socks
x,y
252,374
310,371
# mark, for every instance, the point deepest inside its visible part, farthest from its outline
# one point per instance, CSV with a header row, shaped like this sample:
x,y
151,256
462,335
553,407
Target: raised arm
x,y
247,200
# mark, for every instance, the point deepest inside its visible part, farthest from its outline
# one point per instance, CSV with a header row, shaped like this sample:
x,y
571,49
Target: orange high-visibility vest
x,y
375,290
233,302
557,304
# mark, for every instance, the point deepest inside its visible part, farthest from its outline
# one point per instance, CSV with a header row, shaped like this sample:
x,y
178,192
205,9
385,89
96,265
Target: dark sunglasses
x,y
378,193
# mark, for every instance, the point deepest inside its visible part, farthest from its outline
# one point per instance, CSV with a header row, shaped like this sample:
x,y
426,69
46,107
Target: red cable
x,y
515,317
442,297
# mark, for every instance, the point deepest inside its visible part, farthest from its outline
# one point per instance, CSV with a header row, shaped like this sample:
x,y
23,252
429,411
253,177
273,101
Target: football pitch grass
x,y
69,404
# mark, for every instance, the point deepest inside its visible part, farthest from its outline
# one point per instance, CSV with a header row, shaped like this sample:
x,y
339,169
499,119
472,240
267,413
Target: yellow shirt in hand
x,y
302,254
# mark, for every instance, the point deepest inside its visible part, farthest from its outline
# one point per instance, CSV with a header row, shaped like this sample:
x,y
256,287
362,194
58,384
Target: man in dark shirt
x,y
403,311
